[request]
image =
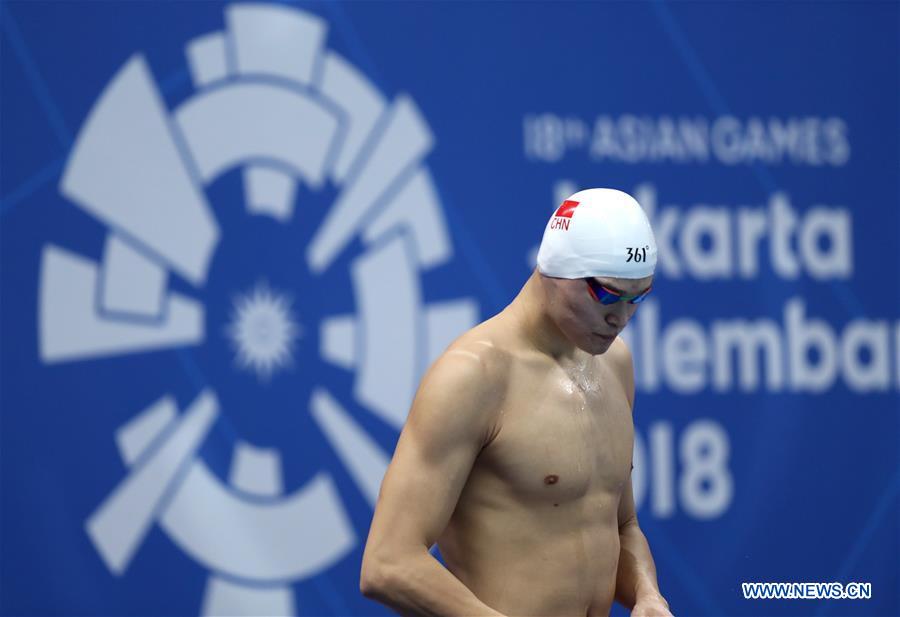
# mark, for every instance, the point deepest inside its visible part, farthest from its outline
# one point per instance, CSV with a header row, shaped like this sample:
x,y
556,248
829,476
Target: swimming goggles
x,y
607,296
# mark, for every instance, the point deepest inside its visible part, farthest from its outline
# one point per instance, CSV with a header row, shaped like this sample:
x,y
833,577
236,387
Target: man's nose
x,y
617,315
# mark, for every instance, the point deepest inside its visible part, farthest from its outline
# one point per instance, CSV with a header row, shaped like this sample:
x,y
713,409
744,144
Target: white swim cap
x,y
598,232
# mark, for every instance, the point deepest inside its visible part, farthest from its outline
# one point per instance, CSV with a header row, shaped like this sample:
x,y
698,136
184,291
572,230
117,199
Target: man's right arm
x,y
451,419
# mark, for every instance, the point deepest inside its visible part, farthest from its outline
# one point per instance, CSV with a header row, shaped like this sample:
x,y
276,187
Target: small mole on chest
x,y
551,479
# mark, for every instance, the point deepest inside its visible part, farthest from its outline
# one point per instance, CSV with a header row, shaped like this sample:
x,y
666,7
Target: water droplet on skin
x,y
582,378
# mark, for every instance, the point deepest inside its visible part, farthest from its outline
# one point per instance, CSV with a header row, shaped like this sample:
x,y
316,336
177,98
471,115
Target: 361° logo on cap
x,y
637,254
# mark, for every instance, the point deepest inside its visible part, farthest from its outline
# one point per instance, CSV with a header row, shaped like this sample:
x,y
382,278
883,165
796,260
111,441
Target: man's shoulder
x,y
482,358
463,390
618,357
486,349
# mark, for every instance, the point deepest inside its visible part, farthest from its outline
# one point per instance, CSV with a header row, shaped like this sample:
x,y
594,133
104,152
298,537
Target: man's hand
x,y
651,606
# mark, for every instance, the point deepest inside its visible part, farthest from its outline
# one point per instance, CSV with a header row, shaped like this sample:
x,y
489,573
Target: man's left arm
x,y
636,584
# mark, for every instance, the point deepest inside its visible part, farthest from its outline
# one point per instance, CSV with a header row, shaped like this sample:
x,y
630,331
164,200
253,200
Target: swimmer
x,y
515,458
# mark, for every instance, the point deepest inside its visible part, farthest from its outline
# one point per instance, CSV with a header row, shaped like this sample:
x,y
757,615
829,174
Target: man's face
x,y
587,323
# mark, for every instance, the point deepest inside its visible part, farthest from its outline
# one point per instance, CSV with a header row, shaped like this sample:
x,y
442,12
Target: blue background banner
x,y
234,236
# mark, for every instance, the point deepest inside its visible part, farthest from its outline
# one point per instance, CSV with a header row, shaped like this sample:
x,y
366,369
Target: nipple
x,y
551,479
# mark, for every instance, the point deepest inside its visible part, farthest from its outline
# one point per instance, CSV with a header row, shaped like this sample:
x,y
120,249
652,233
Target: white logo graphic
x,y
274,103
263,331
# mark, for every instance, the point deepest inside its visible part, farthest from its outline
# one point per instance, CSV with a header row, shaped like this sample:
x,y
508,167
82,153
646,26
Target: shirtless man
x,y
516,455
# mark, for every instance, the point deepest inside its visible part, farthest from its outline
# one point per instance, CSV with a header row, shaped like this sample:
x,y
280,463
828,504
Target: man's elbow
x,y
370,584
374,578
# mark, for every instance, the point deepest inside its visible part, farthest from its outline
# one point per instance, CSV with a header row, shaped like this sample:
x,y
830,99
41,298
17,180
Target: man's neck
x,y
529,310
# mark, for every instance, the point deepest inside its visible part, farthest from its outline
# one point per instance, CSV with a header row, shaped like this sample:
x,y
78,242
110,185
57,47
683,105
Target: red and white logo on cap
x,y
563,215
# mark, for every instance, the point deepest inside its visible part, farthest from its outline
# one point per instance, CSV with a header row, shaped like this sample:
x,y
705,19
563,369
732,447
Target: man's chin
x,y
599,344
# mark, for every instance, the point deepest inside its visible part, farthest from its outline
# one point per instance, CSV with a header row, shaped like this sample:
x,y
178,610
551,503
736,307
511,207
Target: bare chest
x,y
563,435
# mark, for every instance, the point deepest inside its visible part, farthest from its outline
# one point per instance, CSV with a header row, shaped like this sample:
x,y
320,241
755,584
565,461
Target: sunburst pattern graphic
x,y
263,331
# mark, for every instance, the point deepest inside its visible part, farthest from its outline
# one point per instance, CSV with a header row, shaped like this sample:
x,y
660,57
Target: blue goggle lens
x,y
607,296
